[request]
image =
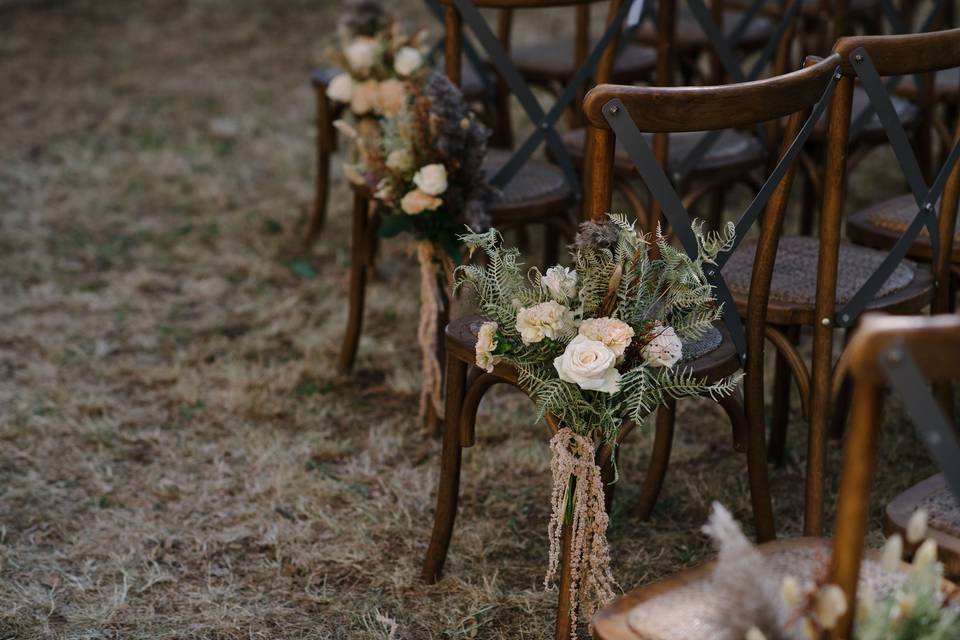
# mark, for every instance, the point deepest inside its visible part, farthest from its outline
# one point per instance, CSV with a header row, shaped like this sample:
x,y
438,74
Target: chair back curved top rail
x,y
906,353
621,112
598,64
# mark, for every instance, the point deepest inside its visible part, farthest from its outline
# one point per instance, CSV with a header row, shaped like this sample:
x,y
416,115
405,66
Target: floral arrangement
x,y
425,172
594,346
378,60
767,606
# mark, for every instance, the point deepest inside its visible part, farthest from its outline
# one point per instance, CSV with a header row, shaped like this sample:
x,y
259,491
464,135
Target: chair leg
x,y
780,417
564,631
448,492
659,459
325,144
358,283
756,469
838,417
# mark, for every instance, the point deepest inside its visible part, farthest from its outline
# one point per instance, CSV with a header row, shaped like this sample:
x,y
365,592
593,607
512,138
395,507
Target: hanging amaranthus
x,y
577,484
436,272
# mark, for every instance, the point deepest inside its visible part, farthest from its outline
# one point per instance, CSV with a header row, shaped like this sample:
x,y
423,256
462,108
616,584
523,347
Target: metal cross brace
x,y
899,26
544,122
724,48
939,436
681,221
473,57
925,197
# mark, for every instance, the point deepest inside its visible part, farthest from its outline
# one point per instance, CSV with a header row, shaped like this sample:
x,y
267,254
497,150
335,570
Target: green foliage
x,y
667,287
915,612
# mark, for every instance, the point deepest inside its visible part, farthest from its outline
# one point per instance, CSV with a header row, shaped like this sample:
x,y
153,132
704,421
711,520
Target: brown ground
x,y
178,457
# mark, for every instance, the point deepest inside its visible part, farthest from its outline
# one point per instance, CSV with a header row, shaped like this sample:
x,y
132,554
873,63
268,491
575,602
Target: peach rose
x,y
393,94
417,201
366,97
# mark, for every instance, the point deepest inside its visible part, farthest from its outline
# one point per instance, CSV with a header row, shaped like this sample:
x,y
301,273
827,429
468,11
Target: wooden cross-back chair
x,y
848,279
664,109
904,351
702,163
616,115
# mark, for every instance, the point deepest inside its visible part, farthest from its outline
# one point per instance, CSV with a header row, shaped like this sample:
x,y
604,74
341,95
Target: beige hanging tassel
x,y
430,305
591,581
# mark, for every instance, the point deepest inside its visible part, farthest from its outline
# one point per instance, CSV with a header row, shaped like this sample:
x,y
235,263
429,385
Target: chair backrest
x,y
905,353
616,114
597,64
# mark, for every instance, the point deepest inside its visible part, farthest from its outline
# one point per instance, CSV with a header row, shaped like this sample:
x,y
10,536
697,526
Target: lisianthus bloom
x,y
614,333
561,282
417,201
545,320
589,364
486,345
664,348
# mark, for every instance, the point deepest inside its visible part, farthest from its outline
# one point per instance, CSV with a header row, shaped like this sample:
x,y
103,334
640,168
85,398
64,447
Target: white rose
x,y
361,54
589,364
407,61
340,88
400,160
432,179
486,345
664,348
417,201
614,333
545,320
561,282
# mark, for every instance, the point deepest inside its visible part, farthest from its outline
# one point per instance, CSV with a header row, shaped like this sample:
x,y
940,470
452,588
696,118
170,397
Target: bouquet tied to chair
x,y
596,347
426,177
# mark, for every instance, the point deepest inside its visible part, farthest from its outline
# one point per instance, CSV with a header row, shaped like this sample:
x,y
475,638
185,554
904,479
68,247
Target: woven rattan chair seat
x,y
733,150
536,182
689,35
694,608
811,9
795,272
554,61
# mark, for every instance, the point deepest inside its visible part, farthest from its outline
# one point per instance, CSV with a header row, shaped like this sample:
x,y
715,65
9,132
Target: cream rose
x,y
393,93
361,54
486,345
432,179
545,320
407,61
589,364
614,333
561,282
664,348
417,201
366,97
400,160
340,88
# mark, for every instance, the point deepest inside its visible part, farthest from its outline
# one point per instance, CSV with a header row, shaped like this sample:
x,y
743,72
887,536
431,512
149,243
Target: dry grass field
x,y
178,457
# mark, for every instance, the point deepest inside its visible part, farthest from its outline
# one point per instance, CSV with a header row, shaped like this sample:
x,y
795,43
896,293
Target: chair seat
x,y
810,9
793,286
538,188
733,151
554,62
687,606
690,36
946,85
934,496
873,130
880,225
712,357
